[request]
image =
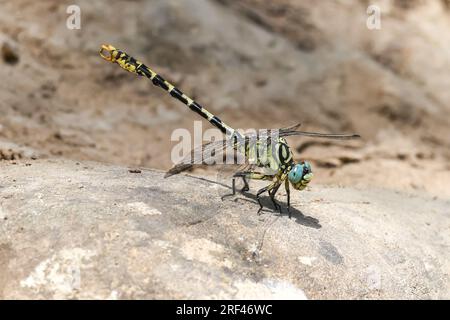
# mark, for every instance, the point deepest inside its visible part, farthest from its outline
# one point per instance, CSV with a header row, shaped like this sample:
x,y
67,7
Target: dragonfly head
x,y
300,175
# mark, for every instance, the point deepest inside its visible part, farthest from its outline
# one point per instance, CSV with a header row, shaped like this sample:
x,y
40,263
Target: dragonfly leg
x,y
288,193
245,176
273,186
260,191
246,186
233,187
272,193
251,175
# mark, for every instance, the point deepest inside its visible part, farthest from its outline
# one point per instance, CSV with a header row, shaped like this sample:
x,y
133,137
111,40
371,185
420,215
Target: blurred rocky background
x,y
254,63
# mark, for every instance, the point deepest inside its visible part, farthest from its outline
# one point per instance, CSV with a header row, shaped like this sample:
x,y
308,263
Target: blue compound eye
x,y
296,173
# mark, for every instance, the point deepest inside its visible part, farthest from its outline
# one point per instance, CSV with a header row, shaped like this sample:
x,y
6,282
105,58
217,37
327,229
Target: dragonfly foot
x,y
226,196
260,205
276,205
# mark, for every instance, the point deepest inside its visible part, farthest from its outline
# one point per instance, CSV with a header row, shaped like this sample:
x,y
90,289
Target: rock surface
x,y
86,230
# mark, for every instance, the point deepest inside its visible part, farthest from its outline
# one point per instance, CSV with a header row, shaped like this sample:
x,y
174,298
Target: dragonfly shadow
x,y
296,214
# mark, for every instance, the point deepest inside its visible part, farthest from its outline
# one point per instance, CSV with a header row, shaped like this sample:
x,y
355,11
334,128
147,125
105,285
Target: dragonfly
x,y
266,156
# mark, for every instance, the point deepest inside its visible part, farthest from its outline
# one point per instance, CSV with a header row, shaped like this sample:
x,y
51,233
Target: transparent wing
x,y
291,128
222,153
337,136
210,152
200,156
292,131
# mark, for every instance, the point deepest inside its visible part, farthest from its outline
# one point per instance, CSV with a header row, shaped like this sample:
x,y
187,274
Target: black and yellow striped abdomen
x,y
132,65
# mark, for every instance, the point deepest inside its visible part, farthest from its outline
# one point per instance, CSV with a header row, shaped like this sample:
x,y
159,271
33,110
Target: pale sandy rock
x,y
126,235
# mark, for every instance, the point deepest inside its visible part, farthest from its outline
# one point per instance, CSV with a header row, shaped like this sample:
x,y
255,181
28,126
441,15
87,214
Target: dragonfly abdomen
x,y
132,65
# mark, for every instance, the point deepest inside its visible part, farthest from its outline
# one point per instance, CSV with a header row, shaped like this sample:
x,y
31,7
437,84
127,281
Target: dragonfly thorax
x,y
273,154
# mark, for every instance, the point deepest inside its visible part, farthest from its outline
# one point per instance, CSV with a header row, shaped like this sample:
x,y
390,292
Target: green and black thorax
x,y
271,152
